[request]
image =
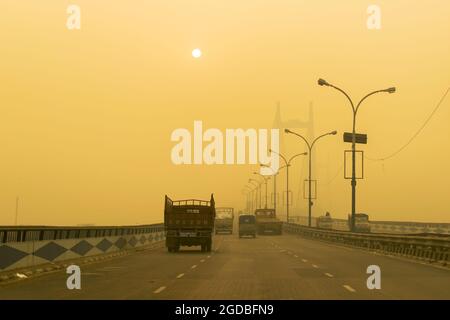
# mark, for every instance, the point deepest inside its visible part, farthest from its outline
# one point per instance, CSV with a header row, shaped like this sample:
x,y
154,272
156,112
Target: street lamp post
x,y
265,183
249,192
310,147
252,196
274,174
258,185
287,165
322,82
255,196
245,192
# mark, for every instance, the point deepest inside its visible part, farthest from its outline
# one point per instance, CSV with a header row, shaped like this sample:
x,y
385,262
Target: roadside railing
x,y
398,227
32,247
40,233
432,248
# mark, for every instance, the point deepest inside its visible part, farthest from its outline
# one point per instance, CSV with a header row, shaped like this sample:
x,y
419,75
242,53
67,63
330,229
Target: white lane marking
x,y
282,250
304,260
296,256
314,266
203,260
180,275
159,289
208,257
329,275
349,288
194,266
289,252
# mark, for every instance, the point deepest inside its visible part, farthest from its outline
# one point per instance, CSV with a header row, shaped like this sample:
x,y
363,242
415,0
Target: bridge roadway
x,y
268,267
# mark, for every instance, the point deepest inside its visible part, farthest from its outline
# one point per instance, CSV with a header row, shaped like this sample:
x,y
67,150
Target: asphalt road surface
x,y
268,267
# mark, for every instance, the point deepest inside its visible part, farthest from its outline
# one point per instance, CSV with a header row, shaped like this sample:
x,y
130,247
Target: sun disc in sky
x,y
196,53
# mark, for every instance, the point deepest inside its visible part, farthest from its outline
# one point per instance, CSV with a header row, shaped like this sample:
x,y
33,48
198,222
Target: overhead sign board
x,y
359,137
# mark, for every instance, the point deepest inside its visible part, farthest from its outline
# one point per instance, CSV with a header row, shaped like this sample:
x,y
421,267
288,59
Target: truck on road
x,y
224,220
267,222
189,223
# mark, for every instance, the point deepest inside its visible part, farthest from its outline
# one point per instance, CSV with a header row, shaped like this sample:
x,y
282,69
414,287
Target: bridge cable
x,y
335,175
415,135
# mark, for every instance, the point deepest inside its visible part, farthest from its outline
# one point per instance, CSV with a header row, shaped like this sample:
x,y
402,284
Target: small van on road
x,y
247,225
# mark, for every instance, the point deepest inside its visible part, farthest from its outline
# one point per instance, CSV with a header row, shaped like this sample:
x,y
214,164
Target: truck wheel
x,y
169,249
203,247
208,247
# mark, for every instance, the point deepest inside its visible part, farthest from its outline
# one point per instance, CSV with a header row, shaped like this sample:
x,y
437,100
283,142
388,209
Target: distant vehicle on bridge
x,y
325,222
189,223
224,220
362,223
247,225
267,222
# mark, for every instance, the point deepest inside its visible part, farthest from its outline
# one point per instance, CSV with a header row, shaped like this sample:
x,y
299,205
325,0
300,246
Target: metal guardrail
x,y
394,227
430,247
39,233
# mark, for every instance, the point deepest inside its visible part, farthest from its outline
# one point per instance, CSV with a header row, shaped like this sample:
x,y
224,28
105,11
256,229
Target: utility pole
x,y
17,210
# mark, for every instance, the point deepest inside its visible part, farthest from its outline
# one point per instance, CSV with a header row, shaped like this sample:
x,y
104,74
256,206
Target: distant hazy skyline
x,y
87,114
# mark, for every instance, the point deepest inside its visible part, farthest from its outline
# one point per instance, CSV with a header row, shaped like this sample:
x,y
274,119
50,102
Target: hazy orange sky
x,y
86,115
